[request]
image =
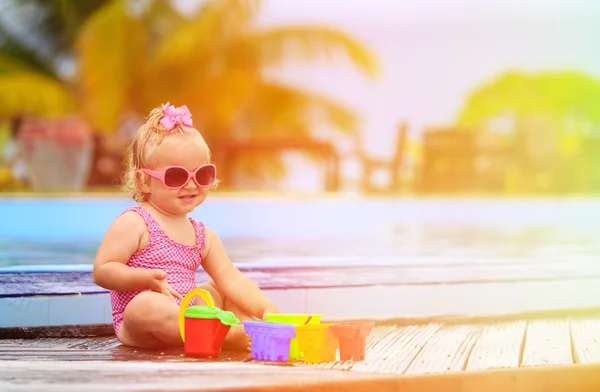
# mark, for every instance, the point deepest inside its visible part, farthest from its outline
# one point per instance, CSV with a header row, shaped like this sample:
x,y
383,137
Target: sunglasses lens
x,y
206,176
175,177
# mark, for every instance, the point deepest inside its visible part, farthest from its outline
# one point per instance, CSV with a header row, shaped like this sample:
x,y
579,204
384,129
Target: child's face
x,y
189,154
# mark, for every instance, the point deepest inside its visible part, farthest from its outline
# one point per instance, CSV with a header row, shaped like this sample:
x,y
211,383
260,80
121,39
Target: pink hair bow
x,y
175,116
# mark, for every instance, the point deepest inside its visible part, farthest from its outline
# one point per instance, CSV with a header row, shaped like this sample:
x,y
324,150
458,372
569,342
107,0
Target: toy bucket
x,y
317,341
203,328
352,338
270,341
294,319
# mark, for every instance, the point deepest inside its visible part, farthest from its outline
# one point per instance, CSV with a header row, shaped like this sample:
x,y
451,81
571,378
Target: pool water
x,y
325,231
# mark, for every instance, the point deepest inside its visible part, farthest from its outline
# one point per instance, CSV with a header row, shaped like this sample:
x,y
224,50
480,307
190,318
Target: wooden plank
x,y
57,331
102,343
98,349
91,376
65,364
585,335
377,335
447,351
16,284
63,376
394,353
547,343
499,346
93,343
42,343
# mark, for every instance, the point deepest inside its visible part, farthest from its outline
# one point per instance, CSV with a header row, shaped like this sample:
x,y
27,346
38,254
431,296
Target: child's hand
x,y
270,308
159,284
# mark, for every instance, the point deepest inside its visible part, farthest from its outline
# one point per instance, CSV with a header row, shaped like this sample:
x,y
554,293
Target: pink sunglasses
x,y
176,177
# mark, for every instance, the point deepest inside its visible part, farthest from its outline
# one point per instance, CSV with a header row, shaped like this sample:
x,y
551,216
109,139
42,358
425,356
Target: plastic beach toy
x,y
317,341
294,319
270,341
203,328
352,337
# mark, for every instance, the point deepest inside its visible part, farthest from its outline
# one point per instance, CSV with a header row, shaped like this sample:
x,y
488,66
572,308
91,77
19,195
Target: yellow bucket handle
x,y
188,297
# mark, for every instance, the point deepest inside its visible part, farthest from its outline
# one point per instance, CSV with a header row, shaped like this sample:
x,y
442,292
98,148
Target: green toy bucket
x,y
294,319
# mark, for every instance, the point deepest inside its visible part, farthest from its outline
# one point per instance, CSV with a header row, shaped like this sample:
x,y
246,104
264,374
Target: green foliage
x,y
36,49
102,59
131,56
40,32
4,135
555,96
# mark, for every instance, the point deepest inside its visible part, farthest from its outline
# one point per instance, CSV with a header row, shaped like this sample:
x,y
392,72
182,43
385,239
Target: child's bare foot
x,y
237,339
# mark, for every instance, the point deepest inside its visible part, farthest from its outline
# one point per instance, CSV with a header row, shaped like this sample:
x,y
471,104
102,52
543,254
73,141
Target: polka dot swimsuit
x,y
177,260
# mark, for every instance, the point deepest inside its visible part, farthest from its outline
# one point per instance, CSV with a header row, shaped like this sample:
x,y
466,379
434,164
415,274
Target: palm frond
x,y
161,19
51,98
279,109
48,27
216,100
9,64
205,34
112,52
284,44
556,96
18,54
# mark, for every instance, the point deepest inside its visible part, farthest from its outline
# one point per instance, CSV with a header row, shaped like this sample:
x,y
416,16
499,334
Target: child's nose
x,y
191,184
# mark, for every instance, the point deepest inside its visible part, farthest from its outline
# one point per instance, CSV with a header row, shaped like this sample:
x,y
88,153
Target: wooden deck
x,y
17,284
518,355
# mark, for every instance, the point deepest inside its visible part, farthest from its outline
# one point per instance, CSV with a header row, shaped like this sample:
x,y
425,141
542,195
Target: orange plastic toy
x,y
317,342
352,337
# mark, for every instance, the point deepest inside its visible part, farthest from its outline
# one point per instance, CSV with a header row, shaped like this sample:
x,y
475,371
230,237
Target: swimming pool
x,y
323,231
438,257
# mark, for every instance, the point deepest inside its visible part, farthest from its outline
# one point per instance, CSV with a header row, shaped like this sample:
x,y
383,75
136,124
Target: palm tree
x,y
132,56
214,61
555,116
132,59
36,51
555,96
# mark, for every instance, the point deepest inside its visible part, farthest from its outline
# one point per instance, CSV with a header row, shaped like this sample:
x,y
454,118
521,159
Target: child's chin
x,y
190,206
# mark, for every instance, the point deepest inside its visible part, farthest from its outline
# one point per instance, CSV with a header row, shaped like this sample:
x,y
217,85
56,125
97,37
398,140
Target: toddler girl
x,y
149,253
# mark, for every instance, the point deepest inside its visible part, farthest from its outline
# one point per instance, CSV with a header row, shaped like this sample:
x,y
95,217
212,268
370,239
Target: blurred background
x,y
459,129
379,97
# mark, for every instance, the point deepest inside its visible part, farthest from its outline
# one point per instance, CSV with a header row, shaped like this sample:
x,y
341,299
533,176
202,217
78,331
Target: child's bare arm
x,y
235,285
121,241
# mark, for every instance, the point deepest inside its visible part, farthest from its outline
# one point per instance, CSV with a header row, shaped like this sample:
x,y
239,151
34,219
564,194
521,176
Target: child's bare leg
x,y
214,293
236,338
150,320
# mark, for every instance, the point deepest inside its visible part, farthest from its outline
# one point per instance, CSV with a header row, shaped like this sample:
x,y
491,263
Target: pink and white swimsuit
x,y
177,260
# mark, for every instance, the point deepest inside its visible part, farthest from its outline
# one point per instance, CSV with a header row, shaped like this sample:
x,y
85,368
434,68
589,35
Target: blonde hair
x,y
143,145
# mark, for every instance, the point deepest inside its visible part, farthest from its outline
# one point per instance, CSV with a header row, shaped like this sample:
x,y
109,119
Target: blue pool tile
x,y
77,309
107,310
24,312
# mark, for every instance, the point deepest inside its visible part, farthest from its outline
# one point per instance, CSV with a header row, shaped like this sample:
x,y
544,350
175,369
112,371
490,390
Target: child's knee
x,y
149,307
150,320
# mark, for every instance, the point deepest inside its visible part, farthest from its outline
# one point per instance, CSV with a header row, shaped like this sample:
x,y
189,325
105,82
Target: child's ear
x,y
143,180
